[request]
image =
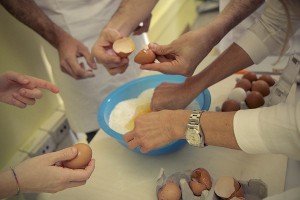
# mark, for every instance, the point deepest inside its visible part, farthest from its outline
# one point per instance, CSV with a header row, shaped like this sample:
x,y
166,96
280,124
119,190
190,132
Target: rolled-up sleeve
x,y
272,129
268,34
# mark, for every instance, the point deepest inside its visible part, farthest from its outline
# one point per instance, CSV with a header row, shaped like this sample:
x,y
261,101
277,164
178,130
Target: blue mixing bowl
x,y
133,89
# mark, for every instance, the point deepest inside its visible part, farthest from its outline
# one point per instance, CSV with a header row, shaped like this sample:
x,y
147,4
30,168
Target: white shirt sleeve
x,y
274,129
267,35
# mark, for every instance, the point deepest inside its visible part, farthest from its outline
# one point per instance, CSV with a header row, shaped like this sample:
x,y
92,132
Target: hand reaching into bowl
x,y
157,129
22,90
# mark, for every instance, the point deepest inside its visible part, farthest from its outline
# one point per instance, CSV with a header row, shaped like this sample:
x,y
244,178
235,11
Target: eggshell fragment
x,y
268,79
124,47
170,191
261,87
196,187
237,94
84,156
145,56
254,100
244,83
231,105
227,187
251,76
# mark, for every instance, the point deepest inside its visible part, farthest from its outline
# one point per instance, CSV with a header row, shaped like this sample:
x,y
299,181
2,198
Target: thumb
x,y
62,155
17,77
160,50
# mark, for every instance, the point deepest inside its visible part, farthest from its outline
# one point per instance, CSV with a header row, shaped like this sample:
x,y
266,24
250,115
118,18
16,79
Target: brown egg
x,y
268,79
196,187
250,76
170,191
124,47
84,156
231,105
227,187
261,87
145,56
202,176
244,83
254,100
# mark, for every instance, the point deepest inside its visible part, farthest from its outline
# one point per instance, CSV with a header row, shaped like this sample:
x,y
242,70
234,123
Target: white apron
x,y
84,20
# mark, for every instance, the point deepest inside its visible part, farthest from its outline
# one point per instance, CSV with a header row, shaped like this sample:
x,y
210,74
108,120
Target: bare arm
x,y
31,15
130,14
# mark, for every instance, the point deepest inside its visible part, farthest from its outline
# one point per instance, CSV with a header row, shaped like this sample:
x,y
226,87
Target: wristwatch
x,y
194,134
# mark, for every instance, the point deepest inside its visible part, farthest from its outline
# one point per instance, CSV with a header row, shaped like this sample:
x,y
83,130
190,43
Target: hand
x,y
145,26
21,90
156,129
103,52
69,50
171,96
183,55
41,174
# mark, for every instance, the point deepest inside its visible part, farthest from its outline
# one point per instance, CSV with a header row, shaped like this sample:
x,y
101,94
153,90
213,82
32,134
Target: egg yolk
x,y
140,110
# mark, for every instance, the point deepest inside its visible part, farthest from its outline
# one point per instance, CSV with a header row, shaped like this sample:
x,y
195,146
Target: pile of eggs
x,y
200,180
250,90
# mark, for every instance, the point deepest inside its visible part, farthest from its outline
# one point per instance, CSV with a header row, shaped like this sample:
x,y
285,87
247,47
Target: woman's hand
x,y
103,52
42,173
157,129
172,96
21,90
183,55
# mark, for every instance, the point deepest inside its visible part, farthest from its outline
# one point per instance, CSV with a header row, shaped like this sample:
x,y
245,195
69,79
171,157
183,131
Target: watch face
x,y
193,137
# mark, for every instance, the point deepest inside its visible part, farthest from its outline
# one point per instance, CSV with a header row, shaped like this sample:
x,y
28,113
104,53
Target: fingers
x,y
160,50
129,136
62,155
17,103
82,174
33,94
27,101
117,70
78,70
75,184
39,83
88,57
165,67
105,56
19,78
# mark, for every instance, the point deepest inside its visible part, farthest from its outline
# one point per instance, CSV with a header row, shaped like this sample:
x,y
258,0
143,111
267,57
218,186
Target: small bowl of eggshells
x,y
117,113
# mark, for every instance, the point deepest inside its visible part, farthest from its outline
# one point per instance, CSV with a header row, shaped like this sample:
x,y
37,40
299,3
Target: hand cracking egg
x,y
84,156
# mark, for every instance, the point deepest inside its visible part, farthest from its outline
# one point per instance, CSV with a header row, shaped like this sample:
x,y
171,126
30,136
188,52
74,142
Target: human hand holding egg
x,y
43,173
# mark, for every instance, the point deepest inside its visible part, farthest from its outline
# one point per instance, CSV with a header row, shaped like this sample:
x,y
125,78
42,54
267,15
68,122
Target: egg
x,y
244,83
84,156
170,191
237,94
261,87
124,47
250,76
227,188
145,56
200,180
254,100
268,79
231,105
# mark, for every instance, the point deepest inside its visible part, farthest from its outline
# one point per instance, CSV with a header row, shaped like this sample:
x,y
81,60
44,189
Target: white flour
x,y
125,111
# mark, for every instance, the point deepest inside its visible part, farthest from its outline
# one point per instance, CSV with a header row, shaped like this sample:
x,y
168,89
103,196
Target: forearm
x,y
130,14
8,185
234,13
31,15
229,62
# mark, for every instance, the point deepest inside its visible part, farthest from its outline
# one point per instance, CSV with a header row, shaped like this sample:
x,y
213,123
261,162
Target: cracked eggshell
x,y
237,94
227,187
170,191
145,56
124,47
202,176
196,187
261,87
